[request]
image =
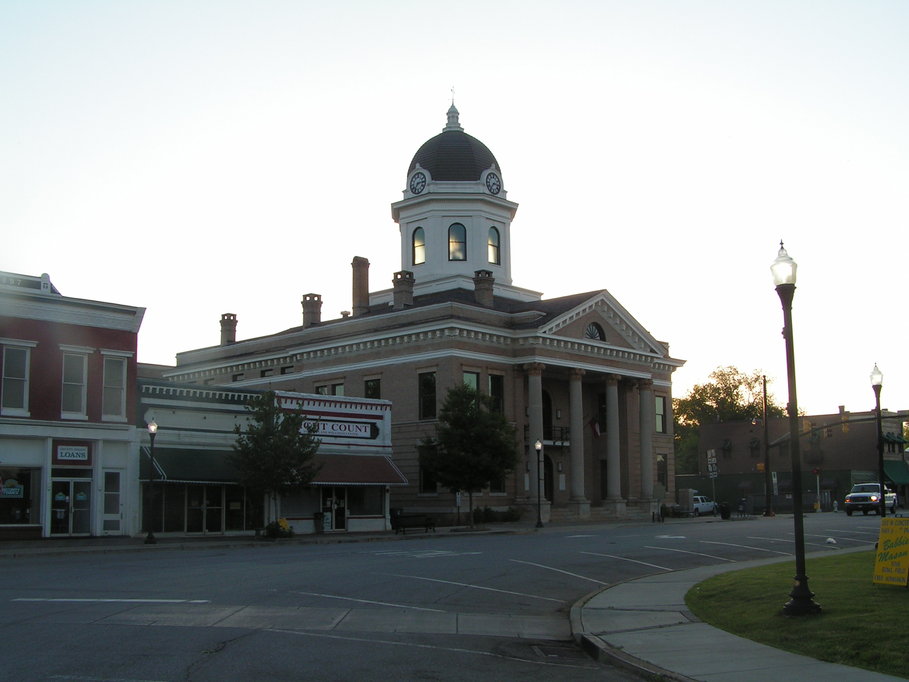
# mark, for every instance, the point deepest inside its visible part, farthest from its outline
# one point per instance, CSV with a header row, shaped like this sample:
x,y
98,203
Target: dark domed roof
x,y
453,154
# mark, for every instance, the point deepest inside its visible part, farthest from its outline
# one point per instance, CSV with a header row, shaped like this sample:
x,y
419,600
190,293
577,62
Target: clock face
x,y
417,183
493,184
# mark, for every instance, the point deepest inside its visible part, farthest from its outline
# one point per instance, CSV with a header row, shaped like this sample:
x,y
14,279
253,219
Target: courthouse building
x,y
578,373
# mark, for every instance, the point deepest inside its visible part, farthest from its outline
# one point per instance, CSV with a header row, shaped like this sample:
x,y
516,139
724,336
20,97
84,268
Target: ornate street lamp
x,y
538,446
150,534
800,602
877,381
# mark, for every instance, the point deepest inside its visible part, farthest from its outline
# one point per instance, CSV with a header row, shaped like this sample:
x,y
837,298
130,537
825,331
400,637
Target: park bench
x,y
401,522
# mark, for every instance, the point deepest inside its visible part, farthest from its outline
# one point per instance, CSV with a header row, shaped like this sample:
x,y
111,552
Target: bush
x,y
487,515
279,529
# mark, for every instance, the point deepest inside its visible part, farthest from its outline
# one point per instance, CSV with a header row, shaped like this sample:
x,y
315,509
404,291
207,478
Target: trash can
x,y
318,520
725,511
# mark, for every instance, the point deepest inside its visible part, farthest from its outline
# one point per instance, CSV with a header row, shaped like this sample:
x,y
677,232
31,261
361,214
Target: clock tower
x,y
455,217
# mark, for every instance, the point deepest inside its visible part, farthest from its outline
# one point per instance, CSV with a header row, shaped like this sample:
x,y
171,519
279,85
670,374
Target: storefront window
x,y
20,496
366,500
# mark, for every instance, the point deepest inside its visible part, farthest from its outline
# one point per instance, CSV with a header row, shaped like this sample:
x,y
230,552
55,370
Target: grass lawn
x,y
861,624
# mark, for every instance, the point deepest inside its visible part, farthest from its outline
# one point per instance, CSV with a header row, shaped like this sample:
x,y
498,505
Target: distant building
x,y
193,487
578,373
837,450
67,412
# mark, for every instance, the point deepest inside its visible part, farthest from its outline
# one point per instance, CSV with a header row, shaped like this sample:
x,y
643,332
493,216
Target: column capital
x,y
645,384
613,379
578,373
534,368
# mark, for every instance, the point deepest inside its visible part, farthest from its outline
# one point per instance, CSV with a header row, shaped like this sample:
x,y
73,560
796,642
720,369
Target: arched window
x,y
457,242
418,246
595,332
492,247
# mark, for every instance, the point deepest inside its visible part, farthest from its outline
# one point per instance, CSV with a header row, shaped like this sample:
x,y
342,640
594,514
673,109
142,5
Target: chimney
x,y
312,309
228,329
360,285
482,287
403,284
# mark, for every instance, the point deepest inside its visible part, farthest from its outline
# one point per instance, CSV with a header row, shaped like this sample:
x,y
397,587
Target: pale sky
x,y
203,157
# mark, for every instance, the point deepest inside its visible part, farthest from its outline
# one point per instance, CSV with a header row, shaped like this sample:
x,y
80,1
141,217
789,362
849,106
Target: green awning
x,y
173,465
897,471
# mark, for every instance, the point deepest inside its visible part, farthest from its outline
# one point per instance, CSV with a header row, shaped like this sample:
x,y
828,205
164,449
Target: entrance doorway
x,y
71,506
334,508
204,507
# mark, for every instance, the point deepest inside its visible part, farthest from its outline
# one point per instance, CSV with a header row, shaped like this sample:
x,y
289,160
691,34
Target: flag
x,y
595,425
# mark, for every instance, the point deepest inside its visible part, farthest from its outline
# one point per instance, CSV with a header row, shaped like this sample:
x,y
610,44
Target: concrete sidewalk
x,y
644,625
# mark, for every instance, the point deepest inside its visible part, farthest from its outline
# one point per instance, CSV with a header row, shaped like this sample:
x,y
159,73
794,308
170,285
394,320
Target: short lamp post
x,y
801,598
538,446
877,381
149,523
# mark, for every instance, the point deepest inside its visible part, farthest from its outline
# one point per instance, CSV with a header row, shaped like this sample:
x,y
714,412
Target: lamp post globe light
x,y
877,381
538,446
150,534
801,598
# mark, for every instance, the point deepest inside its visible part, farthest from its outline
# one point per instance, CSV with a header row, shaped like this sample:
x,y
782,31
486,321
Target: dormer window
x,y
418,246
457,242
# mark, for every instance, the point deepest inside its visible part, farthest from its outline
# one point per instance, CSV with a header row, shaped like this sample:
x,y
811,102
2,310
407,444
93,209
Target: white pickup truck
x,y
701,504
866,497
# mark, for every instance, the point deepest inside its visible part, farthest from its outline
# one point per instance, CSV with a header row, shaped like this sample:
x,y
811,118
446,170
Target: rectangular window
x,y
73,398
237,377
497,485
426,382
266,373
287,369
372,388
497,392
15,381
472,379
428,485
330,389
113,401
660,414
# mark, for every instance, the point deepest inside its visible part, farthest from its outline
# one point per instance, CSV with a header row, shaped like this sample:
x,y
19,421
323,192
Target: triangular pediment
x,y
602,312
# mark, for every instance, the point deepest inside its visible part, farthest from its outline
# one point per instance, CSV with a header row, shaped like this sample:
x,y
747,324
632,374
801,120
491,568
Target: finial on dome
x,y
453,123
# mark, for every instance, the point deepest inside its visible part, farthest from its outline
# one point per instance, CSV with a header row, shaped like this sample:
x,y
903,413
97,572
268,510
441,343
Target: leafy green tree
x,y
274,453
730,395
474,444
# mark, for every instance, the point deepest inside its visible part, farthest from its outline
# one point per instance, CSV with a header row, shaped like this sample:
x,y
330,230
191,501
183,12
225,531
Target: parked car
x,y
866,497
700,504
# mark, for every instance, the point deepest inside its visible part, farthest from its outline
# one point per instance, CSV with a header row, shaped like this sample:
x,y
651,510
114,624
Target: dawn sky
x,y
203,157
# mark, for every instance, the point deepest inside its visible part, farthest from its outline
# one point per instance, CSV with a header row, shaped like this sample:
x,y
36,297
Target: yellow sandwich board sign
x,y
891,561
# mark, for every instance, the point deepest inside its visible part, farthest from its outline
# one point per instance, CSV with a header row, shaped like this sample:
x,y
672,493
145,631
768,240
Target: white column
x,y
535,410
576,408
647,425
613,461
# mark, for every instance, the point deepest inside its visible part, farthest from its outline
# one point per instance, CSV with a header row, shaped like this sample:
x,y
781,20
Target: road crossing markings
x,y
115,601
477,587
369,601
625,558
757,549
559,570
685,551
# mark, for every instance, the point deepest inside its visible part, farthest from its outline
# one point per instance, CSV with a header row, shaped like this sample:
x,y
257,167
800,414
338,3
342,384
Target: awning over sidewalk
x,y
358,470
897,471
177,465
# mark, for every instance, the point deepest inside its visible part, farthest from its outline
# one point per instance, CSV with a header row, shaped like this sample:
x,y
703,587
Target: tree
x,y
730,395
274,454
474,444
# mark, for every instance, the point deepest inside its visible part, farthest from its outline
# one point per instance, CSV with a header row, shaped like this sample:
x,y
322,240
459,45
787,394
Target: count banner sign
x,y
891,561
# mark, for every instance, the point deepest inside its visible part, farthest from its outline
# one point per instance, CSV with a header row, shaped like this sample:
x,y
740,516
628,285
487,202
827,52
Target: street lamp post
x,y
877,381
150,533
800,602
538,446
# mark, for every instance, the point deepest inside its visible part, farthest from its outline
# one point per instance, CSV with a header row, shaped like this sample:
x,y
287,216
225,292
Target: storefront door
x,y
204,509
334,508
71,506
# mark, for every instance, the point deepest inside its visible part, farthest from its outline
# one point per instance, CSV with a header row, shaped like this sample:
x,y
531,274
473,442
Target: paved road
x,y
439,608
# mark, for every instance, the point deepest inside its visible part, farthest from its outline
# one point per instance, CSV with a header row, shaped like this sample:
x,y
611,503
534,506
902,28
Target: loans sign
x,y
891,561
